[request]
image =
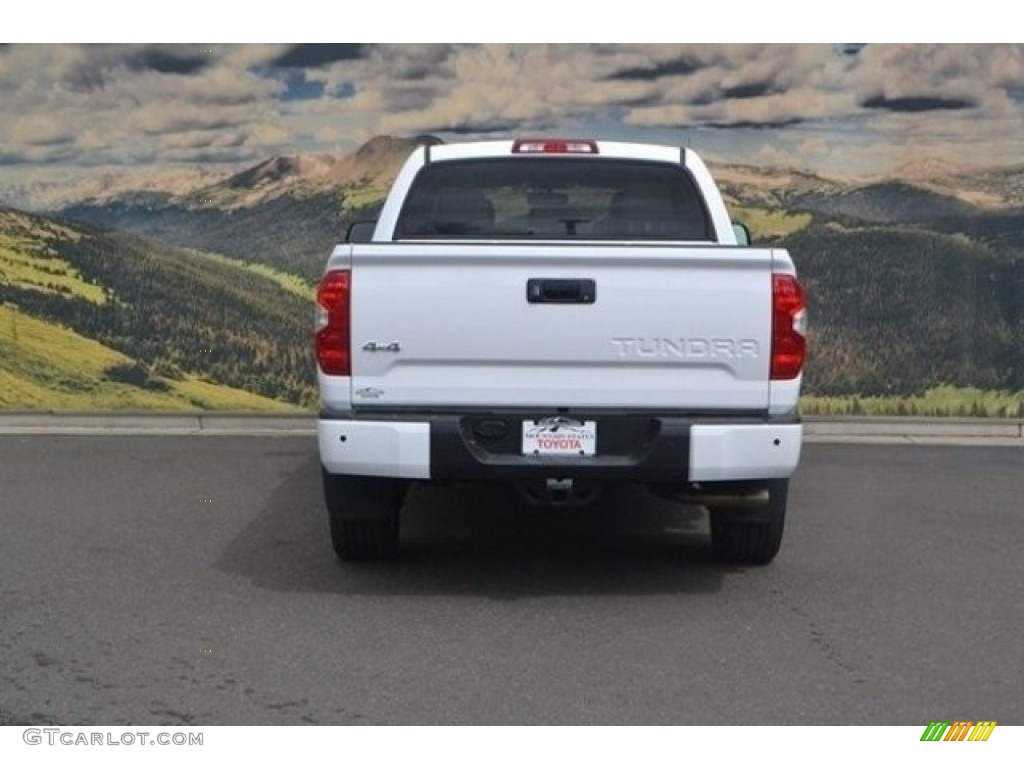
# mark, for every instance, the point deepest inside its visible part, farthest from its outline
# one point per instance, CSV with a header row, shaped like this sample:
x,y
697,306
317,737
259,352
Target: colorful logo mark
x,y
958,730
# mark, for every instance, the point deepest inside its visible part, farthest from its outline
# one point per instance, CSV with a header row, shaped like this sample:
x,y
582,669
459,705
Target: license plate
x,y
559,436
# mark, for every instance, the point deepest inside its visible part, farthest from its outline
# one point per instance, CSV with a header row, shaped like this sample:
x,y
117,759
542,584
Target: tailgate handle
x,y
560,291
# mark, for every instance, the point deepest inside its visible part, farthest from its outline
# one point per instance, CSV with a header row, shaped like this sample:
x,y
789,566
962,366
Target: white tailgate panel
x,y
684,327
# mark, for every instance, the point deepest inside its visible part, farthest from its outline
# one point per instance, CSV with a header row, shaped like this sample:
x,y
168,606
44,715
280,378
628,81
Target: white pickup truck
x,y
559,315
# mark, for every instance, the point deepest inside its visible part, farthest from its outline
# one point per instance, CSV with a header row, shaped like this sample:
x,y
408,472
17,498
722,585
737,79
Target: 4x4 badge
x,y
379,346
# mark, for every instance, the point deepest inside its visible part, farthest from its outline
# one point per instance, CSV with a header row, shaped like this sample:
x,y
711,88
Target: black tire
x,y
363,513
750,536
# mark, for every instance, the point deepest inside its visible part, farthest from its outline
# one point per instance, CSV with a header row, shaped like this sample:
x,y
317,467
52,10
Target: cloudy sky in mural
x,y
837,108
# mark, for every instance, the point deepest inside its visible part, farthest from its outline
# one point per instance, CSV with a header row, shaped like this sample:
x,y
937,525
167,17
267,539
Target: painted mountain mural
x,y
165,210
913,283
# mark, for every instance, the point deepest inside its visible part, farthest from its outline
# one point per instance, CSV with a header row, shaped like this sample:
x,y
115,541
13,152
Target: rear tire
x,y
750,536
363,513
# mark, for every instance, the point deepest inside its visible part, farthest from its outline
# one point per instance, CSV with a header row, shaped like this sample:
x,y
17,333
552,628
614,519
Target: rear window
x,y
553,198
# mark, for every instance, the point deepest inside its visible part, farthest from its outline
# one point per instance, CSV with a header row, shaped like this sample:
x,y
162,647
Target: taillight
x,y
333,304
789,327
555,146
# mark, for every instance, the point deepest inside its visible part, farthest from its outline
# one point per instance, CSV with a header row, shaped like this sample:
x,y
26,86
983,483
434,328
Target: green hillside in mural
x,y
91,318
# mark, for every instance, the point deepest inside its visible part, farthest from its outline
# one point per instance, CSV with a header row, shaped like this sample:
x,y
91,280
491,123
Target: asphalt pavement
x,y
188,580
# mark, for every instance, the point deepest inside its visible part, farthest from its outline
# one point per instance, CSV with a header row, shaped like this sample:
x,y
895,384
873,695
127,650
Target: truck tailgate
x,y
635,326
